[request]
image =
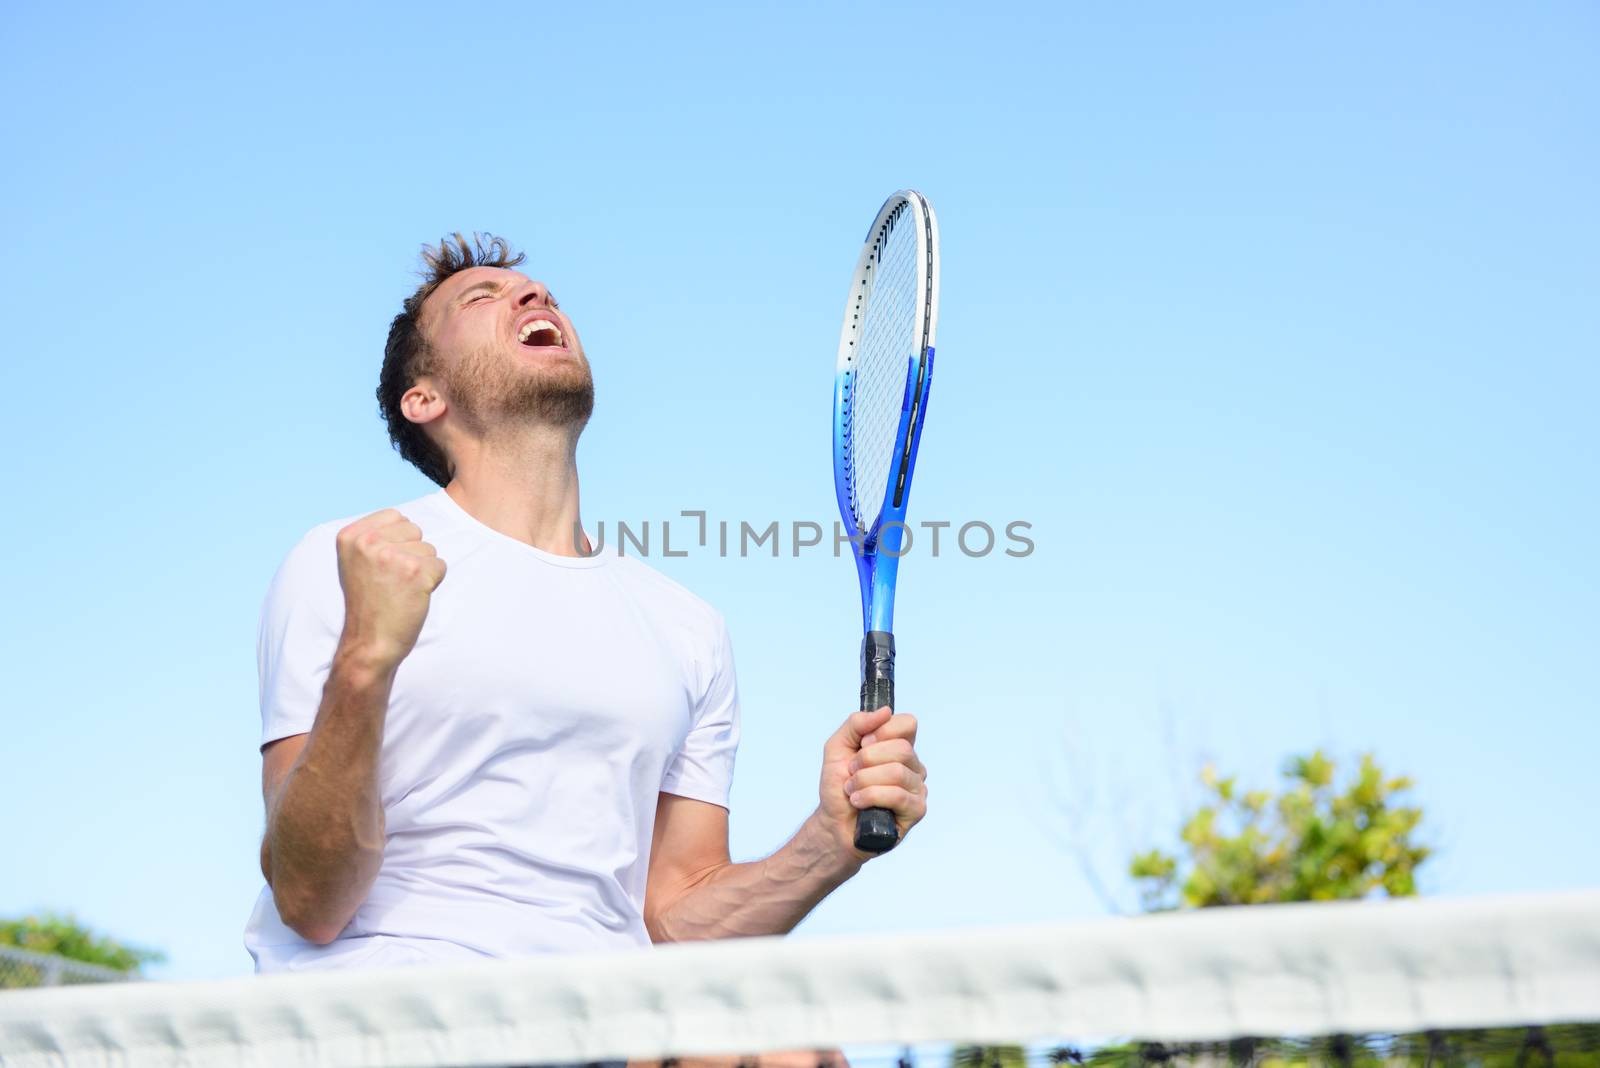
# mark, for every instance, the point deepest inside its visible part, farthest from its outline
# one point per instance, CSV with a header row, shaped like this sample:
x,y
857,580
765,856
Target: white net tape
x,y
1263,970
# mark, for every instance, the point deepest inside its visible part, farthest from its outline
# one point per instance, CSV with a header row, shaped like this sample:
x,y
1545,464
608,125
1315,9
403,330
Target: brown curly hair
x,y
406,356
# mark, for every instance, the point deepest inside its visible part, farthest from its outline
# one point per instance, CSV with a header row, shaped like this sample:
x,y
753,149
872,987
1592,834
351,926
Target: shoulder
x,y
324,535
435,513
682,622
311,560
669,598
312,563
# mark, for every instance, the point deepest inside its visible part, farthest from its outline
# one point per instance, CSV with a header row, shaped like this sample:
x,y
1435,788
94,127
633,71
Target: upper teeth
x,y
539,324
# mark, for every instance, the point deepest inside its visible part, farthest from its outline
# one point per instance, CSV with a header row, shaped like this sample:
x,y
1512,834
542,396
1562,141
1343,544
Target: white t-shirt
x,y
548,702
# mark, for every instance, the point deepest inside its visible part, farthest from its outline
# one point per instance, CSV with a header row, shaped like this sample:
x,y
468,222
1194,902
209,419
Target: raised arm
x,y
325,829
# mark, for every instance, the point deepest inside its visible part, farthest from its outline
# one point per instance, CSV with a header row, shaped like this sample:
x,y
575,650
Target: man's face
x,y
504,352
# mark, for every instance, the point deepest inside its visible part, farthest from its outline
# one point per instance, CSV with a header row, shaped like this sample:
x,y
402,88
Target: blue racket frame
x,y
878,551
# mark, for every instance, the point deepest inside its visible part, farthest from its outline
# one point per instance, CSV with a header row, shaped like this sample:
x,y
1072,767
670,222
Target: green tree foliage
x,y
989,1057
1316,840
1319,839
64,936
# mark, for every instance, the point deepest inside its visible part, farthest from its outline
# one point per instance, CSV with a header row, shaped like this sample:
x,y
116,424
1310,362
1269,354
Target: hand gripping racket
x,y
880,397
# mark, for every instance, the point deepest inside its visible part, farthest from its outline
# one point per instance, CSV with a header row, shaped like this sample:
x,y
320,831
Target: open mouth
x,y
541,333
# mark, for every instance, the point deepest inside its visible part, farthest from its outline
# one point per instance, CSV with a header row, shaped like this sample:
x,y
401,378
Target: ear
x,y
423,402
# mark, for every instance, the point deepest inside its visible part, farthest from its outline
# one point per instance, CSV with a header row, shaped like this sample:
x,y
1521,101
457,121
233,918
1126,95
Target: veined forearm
x,y
762,897
325,830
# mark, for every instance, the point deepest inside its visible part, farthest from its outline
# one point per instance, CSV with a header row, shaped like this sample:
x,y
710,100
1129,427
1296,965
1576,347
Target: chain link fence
x,y
21,968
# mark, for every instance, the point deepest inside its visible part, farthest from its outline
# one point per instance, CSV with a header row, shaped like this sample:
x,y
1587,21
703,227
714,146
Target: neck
x,y
524,485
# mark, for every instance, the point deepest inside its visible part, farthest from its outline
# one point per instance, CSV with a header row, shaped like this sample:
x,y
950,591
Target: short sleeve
x,y
703,768
301,619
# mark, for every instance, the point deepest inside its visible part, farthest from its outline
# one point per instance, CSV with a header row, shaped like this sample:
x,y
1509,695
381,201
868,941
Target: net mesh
x,y
1512,981
888,339
21,968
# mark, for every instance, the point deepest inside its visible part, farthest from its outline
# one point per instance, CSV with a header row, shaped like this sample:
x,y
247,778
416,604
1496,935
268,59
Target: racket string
x,y
888,339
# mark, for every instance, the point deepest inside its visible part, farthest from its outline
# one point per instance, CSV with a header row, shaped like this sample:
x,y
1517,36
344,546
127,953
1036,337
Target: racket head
x,y
881,384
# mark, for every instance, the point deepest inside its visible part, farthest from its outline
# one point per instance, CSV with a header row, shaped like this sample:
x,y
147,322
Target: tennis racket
x,y
880,397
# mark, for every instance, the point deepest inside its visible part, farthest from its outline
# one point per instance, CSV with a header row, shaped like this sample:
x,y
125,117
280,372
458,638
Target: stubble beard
x,y
488,391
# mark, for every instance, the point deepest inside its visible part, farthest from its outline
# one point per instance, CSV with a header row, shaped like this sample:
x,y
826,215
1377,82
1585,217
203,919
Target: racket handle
x,y
875,827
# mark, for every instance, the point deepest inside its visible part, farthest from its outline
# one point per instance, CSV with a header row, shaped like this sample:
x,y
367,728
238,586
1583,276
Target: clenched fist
x,y
388,574
871,762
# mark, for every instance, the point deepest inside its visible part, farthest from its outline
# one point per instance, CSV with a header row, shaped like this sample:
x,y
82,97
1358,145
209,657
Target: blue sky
x,y
1277,322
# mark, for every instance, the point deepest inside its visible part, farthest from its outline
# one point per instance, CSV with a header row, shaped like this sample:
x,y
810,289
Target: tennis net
x,y
1511,980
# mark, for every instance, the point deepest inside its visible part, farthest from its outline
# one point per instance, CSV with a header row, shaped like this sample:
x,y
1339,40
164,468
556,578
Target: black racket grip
x,y
875,828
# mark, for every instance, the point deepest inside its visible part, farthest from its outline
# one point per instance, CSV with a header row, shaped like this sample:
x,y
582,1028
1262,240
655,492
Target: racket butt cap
x,y
876,831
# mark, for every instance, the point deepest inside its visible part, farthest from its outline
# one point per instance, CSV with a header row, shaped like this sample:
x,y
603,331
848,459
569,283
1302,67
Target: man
x,y
534,754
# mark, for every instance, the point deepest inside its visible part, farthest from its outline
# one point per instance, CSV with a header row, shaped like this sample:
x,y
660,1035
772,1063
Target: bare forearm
x,y
762,897
325,831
